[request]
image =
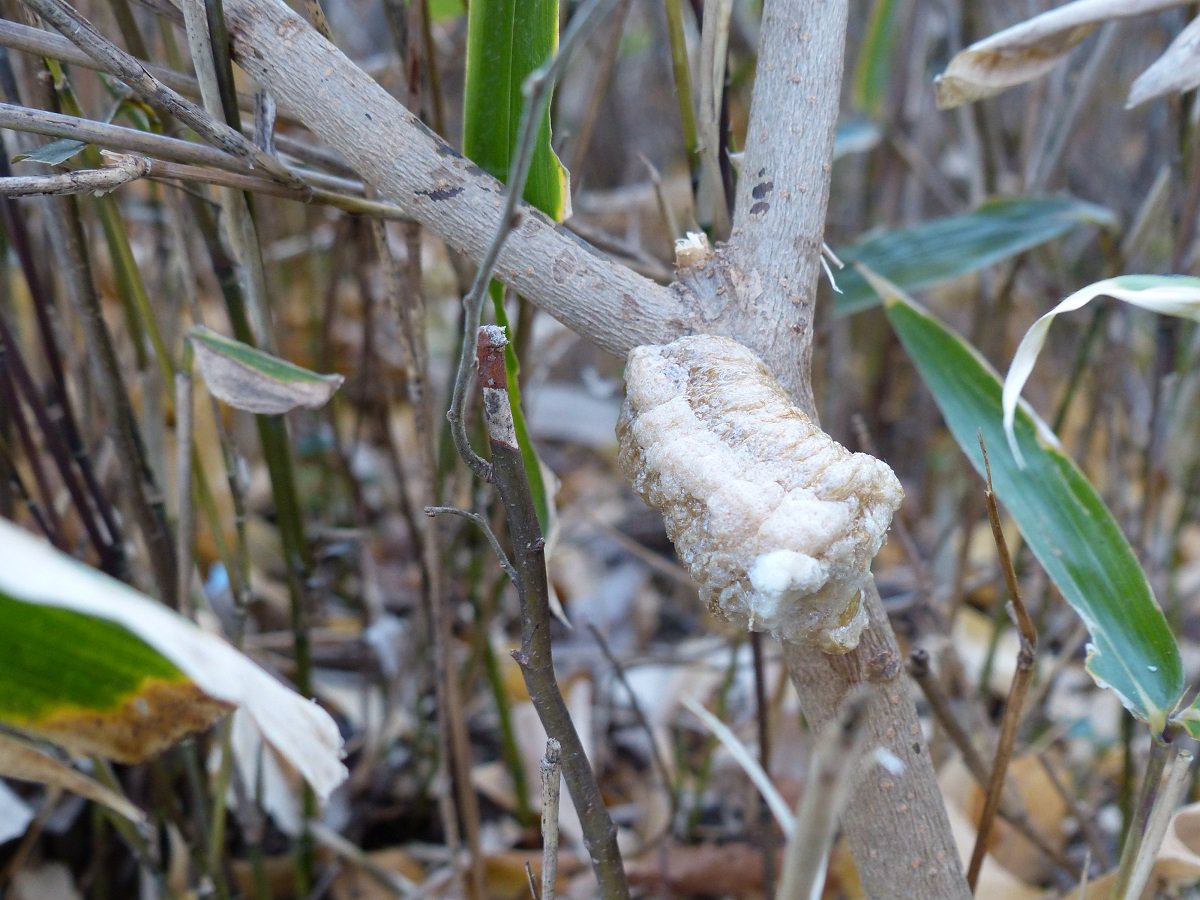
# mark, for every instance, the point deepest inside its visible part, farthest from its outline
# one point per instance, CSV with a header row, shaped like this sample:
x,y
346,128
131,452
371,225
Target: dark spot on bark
x,y
444,149
534,214
441,193
761,173
474,170
761,190
916,747
562,268
805,244
760,208
370,118
883,666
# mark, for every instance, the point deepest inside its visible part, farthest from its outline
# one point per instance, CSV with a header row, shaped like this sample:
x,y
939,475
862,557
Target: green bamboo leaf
x,y
54,153
254,381
1170,295
1065,522
873,69
444,10
93,665
506,41
957,245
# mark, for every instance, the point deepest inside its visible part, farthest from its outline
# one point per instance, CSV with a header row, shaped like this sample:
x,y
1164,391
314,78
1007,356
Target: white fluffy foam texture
x,y
776,521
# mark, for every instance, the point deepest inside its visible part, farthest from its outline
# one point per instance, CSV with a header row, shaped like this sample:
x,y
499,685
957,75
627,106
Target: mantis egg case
x,y
775,520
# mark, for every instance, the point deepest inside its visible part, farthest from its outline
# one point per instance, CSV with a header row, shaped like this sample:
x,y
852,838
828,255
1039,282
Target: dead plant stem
x,y
113,59
550,769
536,656
1022,678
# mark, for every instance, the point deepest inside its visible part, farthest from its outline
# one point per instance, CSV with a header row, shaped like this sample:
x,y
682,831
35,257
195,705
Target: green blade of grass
x,y
873,69
958,245
1065,522
506,41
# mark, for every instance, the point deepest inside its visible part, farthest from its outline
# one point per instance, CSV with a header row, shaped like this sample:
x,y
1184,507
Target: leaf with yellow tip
x,y
90,663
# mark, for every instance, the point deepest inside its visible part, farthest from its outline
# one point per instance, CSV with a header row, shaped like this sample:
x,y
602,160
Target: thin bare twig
x,y
79,181
1017,692
483,526
550,769
169,171
537,90
656,756
83,34
58,125
536,655
939,705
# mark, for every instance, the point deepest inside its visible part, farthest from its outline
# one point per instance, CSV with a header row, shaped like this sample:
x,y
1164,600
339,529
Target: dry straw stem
x,y
79,181
550,768
111,58
760,291
1017,692
1009,810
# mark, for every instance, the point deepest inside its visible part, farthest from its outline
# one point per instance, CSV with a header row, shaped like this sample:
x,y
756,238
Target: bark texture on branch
x,y
759,290
411,166
896,823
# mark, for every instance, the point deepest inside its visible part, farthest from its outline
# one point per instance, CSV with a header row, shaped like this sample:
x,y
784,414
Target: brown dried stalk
x,y
536,656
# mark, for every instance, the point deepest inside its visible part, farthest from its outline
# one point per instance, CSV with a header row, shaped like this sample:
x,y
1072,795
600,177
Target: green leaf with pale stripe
x,y
93,665
54,153
959,245
254,381
1067,525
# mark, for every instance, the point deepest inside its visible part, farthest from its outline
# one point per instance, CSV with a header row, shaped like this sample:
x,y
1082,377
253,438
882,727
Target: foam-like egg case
x,y
775,520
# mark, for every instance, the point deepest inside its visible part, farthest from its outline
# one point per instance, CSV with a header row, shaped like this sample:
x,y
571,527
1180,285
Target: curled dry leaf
x,y
256,382
1177,70
776,521
1169,295
21,760
1031,48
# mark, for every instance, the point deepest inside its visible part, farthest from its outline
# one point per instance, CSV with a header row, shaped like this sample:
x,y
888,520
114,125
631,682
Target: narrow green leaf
x,y
254,381
506,41
957,245
444,10
873,69
1067,525
92,664
54,153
